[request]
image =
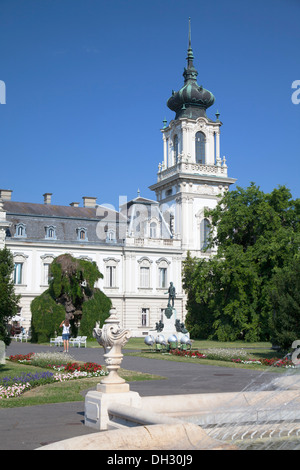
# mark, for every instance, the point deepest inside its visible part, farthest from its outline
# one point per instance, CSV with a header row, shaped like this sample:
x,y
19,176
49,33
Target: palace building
x,y
140,248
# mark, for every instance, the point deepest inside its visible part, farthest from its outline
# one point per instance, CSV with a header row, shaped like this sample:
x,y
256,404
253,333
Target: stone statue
x,y
159,326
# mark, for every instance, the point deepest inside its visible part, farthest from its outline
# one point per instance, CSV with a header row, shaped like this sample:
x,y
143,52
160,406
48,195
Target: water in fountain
x,y
276,409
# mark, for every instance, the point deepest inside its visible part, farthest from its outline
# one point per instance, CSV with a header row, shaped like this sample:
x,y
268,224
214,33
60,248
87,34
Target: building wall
x,y
127,294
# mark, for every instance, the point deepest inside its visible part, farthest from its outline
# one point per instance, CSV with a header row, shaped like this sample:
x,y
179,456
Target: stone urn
x,y
112,337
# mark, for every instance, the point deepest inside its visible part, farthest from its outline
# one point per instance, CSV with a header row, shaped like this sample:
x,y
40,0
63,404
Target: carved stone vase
x,y
112,337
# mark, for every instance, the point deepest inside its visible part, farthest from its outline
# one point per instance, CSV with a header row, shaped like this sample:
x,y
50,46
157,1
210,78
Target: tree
x,y
285,299
71,295
9,300
255,235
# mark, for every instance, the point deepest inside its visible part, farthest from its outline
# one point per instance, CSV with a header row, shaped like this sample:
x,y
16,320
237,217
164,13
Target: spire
x,y
190,56
191,100
190,73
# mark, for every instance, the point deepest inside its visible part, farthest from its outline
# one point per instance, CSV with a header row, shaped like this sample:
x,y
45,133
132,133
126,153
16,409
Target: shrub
x,y
47,315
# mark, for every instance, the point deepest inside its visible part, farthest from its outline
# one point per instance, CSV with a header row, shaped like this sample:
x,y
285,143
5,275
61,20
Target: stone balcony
x,y
166,243
186,167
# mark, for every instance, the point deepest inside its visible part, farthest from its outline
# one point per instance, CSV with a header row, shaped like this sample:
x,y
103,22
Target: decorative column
x,y
112,337
112,388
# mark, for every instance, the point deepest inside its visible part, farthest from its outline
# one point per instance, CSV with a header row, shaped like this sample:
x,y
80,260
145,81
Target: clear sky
x,y
87,83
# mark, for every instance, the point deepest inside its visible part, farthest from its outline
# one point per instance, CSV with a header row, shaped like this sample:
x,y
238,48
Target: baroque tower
x,y
192,176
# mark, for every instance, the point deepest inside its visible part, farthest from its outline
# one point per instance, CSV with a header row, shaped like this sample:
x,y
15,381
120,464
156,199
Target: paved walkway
x,y
30,427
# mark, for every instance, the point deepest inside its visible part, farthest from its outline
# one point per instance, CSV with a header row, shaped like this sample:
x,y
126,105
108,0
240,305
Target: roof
x,y
49,210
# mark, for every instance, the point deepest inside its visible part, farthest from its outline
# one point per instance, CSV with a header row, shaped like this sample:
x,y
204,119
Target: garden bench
x,y
20,337
79,341
58,341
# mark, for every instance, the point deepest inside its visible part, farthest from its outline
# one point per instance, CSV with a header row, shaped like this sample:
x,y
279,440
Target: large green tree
x,y
285,299
8,299
71,295
254,235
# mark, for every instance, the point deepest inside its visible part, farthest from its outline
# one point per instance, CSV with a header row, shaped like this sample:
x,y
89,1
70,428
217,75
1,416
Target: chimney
x,y
74,204
47,198
5,194
89,201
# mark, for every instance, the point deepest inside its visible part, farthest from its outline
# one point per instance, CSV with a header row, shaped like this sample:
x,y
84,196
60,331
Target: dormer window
x,y
20,231
82,234
50,232
110,236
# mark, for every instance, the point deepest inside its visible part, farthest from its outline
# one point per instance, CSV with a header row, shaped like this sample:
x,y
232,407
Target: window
x,y
144,272
204,233
20,230
162,265
200,148
162,277
46,274
176,149
82,234
144,277
111,273
153,227
18,273
111,236
110,276
145,317
50,232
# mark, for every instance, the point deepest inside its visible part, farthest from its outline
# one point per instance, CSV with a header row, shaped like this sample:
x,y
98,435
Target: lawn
x,y
138,343
57,392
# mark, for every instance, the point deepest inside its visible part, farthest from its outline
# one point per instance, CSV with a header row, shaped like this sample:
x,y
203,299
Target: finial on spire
x,y
190,56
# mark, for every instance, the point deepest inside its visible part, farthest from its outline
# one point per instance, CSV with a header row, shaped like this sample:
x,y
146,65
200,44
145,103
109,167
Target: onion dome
x,y
191,100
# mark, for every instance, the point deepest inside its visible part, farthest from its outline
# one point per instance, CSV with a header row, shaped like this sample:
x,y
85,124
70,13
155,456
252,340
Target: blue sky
x,y
87,83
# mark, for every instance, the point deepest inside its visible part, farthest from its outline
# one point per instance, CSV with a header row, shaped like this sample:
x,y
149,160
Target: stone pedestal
x,y
169,320
169,323
97,404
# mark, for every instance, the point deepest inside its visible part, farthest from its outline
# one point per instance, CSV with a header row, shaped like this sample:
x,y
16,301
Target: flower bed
x,y
192,354
23,358
15,386
232,355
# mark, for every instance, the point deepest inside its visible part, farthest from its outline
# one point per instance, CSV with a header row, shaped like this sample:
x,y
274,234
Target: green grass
x,y
257,350
138,343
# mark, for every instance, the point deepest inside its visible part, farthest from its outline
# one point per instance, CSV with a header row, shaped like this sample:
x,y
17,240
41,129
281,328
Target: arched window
x,y
176,149
111,236
82,234
50,232
200,148
205,233
153,227
20,230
